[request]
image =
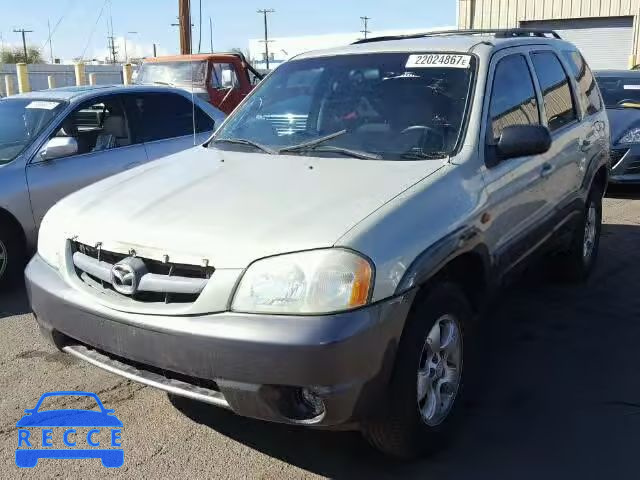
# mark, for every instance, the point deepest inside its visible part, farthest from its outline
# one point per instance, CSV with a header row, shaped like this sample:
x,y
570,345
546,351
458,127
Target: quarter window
x,y
558,101
589,95
513,99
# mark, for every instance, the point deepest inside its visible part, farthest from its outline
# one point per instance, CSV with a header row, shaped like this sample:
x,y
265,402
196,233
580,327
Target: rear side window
x,y
167,115
589,96
223,76
558,101
513,98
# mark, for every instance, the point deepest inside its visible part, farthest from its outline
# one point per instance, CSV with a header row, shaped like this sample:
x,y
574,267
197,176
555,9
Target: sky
x,y
81,28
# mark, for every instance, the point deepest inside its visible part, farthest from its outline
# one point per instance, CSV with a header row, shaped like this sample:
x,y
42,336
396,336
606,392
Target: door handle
x,y
547,170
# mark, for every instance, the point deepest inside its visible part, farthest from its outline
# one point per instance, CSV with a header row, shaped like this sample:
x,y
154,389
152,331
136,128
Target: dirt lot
x,y
559,397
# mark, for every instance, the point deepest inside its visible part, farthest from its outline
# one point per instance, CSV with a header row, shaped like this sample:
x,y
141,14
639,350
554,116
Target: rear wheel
x,y
427,379
11,256
577,264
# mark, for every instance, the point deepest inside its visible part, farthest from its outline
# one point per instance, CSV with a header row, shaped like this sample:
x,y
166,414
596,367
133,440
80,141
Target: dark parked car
x,y
621,93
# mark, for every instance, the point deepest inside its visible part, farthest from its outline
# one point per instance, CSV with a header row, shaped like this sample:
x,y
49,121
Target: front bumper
x,y
625,164
248,363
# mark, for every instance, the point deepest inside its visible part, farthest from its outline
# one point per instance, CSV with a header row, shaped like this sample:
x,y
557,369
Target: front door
x,y
224,85
517,202
105,147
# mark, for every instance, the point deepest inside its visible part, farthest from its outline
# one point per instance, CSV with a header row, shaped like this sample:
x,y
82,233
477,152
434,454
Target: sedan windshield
x,y
170,73
620,91
392,106
21,121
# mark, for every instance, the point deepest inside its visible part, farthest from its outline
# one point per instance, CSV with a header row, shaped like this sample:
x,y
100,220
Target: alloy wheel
x,y
440,370
3,258
590,232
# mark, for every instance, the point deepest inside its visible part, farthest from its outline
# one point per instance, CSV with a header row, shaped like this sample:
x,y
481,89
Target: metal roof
x,y
451,42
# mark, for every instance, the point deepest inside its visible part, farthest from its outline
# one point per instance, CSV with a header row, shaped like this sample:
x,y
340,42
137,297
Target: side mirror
x,y
523,140
59,147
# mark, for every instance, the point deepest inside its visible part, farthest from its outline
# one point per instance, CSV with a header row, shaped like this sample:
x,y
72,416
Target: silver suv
x,y
319,260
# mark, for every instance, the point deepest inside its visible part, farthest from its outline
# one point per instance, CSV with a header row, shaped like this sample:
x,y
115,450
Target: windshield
x,y
173,72
21,120
618,91
393,106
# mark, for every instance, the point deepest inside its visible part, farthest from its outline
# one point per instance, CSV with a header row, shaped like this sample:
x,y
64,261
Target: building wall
x,y
481,14
64,75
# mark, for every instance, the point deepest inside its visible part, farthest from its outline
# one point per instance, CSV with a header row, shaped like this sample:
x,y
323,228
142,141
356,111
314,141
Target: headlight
x,y
317,281
49,241
632,136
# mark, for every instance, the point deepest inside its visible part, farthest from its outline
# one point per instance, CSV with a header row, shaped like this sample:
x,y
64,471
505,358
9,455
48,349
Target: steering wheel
x,y
627,100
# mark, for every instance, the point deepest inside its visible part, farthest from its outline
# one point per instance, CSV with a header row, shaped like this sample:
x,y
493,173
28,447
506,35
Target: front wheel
x,y
427,378
11,256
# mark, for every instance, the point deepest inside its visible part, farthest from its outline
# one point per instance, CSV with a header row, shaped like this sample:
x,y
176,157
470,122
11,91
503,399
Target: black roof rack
x,y
497,33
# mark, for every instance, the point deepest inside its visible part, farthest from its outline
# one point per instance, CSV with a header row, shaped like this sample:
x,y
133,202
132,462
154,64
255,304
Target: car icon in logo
x,y
36,428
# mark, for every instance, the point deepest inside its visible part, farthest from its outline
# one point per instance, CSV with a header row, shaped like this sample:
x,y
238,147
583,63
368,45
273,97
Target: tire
x,y
12,256
407,430
576,265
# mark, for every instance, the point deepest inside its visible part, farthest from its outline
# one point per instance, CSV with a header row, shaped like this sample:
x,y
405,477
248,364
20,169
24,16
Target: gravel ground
x,y
559,394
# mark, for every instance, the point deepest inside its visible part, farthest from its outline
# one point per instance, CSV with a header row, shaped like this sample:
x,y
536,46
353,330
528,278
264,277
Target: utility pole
x,y
50,41
184,19
211,34
365,21
24,41
126,56
112,48
266,40
154,50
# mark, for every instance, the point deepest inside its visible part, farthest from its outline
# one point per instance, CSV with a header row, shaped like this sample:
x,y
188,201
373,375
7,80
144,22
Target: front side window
x,y
21,121
513,97
223,76
388,106
97,125
589,96
167,115
558,100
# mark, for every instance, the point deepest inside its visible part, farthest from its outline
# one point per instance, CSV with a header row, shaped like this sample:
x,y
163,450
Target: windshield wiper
x,y
312,143
345,151
244,141
423,155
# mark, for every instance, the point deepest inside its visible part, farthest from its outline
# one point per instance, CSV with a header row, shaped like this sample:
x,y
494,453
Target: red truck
x,y
223,79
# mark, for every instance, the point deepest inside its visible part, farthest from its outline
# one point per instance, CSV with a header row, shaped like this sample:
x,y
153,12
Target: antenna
x,y
193,102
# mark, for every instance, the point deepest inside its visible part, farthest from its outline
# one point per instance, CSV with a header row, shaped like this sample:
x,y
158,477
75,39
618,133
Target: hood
x,y
621,120
69,418
231,208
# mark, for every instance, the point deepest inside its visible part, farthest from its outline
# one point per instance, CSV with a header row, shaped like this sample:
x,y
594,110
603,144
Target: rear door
x,y
107,146
565,160
166,122
517,198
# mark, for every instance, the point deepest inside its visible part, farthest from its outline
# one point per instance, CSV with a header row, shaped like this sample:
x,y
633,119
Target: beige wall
x,y
509,13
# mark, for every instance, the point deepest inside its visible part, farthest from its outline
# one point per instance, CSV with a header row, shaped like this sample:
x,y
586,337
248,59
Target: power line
x,y
93,29
266,40
55,27
365,21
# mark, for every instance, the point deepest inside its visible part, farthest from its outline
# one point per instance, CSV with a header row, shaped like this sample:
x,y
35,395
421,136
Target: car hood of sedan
x,y
230,207
621,120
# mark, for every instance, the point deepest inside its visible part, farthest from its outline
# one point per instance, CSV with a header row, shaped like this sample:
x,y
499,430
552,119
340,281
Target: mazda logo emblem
x,y
126,274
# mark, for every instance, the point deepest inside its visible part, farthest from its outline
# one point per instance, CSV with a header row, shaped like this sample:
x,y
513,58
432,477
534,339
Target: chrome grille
x,y
163,282
287,124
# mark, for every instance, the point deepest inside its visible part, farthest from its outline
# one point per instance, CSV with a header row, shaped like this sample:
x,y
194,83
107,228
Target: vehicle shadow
x,y
556,388
14,301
